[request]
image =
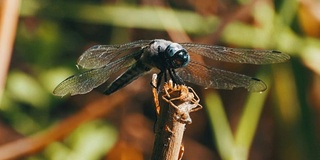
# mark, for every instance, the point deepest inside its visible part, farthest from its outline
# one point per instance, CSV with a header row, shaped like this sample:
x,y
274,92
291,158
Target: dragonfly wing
x,y
100,55
82,83
210,77
236,55
88,80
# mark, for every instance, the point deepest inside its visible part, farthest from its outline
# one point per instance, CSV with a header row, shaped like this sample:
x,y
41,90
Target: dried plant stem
x,y
169,133
173,116
9,14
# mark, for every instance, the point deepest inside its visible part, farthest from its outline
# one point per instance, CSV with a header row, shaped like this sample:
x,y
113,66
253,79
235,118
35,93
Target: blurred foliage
x,y
282,123
88,142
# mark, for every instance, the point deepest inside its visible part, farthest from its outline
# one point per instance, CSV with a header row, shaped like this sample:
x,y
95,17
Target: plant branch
x,y
173,115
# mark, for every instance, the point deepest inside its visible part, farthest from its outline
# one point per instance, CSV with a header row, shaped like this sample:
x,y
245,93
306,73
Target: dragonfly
x,y
172,61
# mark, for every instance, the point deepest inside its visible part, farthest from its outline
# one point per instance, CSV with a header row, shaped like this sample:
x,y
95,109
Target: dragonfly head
x,y
176,56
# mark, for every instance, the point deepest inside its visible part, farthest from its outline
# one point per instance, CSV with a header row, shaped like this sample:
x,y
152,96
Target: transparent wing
x,y
236,55
88,80
210,77
100,55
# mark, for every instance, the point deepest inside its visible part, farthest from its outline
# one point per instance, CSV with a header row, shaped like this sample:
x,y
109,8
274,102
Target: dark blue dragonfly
x,y
172,60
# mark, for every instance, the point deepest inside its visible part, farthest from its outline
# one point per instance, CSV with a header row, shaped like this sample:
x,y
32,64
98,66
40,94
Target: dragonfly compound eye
x,y
172,49
180,59
177,56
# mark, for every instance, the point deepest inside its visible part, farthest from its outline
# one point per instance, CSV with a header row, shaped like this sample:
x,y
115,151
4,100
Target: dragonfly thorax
x,y
176,56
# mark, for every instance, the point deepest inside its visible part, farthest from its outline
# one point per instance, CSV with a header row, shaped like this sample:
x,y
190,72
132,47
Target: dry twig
x,y
173,116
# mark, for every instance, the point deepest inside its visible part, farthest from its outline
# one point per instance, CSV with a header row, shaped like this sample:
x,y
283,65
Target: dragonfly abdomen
x,y
131,74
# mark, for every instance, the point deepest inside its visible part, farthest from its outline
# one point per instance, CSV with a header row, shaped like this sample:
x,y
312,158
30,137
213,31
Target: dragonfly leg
x,y
165,76
175,78
159,78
